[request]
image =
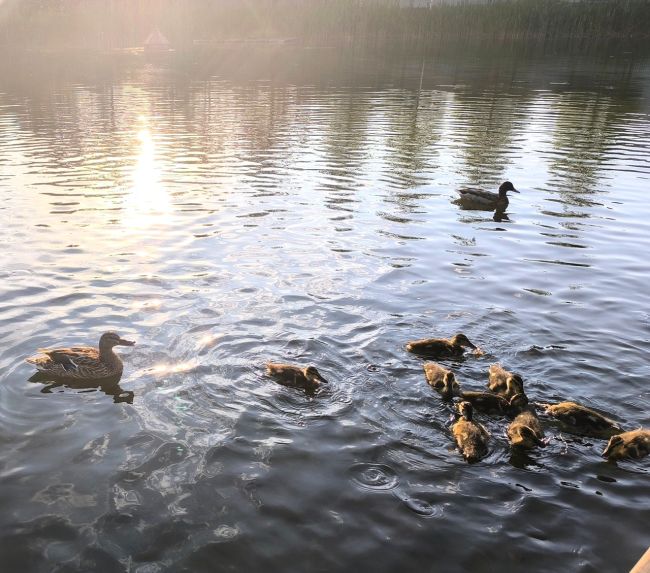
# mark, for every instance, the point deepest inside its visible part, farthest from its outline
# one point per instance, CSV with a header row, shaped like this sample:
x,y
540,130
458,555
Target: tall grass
x,y
120,23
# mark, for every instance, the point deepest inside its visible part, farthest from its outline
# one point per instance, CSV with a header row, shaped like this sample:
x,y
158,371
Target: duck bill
x,y
471,345
607,451
321,379
513,189
124,342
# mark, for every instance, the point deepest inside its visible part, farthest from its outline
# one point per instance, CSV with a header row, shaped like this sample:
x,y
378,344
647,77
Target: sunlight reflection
x,y
148,201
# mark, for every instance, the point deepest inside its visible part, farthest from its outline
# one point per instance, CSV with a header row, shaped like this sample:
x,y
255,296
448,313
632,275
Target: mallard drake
x,y
473,198
505,383
307,378
582,420
634,445
82,362
525,431
489,403
471,437
441,380
440,347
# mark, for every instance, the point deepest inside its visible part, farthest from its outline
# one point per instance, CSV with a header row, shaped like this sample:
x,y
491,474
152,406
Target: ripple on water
x,y
374,476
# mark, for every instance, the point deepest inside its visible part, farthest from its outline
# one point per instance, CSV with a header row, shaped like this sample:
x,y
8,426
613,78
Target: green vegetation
x,y
106,24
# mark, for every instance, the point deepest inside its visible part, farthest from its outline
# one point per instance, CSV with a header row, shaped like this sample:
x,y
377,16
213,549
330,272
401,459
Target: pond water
x,y
297,205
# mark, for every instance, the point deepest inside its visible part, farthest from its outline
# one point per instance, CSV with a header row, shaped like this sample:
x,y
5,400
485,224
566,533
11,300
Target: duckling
x,y
525,431
634,445
582,420
473,198
295,376
471,437
505,383
441,347
441,380
82,362
489,403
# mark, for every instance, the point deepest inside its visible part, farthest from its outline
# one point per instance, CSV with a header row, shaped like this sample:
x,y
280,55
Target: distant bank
x,y
119,24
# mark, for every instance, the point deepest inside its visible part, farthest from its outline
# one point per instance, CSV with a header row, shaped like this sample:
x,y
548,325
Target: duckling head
x,y
505,187
518,402
514,385
615,449
461,340
466,410
447,386
524,437
110,339
314,376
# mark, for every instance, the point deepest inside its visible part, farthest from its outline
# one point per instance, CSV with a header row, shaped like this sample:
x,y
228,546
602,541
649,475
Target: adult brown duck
x,y
82,362
473,198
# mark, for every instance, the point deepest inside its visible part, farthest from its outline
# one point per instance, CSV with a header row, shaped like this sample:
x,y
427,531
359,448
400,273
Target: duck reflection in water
x,y
109,386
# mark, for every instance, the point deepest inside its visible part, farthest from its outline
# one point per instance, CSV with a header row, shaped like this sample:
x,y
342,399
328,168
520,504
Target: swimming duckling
x,y
441,380
82,362
634,445
473,198
582,420
525,431
489,403
295,376
471,437
440,347
505,383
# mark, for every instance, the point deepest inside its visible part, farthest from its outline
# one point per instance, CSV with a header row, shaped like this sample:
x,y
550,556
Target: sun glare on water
x,y
147,202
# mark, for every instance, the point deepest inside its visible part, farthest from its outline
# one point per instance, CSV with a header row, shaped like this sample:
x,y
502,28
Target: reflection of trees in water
x,y
585,125
487,125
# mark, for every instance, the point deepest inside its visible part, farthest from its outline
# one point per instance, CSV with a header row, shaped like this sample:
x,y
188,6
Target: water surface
x,y
296,205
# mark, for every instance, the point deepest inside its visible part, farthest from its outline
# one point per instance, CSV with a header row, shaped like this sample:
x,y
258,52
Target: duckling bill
x,y
440,347
628,445
471,437
307,378
581,420
441,380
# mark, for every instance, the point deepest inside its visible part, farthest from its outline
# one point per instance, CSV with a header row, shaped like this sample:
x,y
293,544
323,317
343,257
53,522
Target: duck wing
x,y
479,195
64,361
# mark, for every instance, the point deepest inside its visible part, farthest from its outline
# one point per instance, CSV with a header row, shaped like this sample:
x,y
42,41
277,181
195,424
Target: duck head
x,y
524,437
314,376
461,340
505,187
518,402
110,339
465,410
615,448
447,386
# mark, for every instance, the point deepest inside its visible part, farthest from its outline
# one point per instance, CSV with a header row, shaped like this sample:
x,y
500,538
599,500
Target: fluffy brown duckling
x,y
489,403
307,378
582,420
525,431
441,380
633,445
471,437
504,383
441,347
